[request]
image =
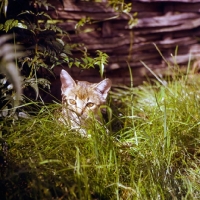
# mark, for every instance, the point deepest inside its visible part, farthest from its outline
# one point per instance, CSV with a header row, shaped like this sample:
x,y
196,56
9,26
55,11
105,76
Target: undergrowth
x,y
152,150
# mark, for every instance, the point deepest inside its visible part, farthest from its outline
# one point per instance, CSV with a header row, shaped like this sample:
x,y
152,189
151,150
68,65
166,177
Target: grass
x,y
151,152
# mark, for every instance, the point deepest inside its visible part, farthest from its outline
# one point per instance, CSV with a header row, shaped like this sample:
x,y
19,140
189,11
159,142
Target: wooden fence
x,y
173,26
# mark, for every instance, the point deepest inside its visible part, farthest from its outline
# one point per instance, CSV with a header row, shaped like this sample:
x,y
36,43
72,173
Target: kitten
x,y
81,100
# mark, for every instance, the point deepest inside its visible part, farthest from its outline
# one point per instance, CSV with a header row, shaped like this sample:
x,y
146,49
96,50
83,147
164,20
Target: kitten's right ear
x,y
66,81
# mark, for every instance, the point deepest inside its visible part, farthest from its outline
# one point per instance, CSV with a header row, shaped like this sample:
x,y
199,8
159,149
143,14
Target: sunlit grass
x,y
152,150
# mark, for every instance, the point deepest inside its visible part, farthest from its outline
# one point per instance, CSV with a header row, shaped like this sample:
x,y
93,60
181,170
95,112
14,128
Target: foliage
x,y
8,67
121,7
45,46
153,154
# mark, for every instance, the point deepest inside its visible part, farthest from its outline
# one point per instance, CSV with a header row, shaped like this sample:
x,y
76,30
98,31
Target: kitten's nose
x,y
79,111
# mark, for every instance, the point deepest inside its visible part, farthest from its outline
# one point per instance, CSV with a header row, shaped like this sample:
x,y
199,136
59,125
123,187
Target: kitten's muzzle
x,y
79,112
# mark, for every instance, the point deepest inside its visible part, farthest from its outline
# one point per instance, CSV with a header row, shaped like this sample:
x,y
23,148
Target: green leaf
x,y
70,64
21,25
101,60
44,14
27,12
59,30
85,60
66,59
34,85
44,82
1,26
77,64
82,22
4,7
67,49
47,25
9,24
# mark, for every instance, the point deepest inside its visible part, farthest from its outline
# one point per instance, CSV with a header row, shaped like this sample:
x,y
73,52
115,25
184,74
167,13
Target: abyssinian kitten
x,y
81,100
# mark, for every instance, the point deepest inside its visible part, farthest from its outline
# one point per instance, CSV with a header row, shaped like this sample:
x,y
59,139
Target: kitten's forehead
x,y
84,90
85,84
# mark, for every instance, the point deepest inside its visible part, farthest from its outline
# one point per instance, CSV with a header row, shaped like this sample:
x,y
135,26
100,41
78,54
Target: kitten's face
x,y
82,99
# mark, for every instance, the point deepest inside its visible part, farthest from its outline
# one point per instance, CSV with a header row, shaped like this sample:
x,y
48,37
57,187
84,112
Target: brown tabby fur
x,y
81,100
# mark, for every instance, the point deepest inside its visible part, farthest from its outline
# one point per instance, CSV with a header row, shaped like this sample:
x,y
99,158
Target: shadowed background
x,y
173,26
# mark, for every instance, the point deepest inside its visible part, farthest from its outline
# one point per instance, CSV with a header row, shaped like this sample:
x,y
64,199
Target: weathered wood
x,y
167,24
78,16
187,7
166,20
100,16
87,6
180,1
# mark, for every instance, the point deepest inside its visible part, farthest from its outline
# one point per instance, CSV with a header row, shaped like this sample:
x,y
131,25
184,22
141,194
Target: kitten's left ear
x,y
66,81
104,87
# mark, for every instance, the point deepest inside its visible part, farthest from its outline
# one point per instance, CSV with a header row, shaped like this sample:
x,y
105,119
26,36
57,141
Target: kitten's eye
x,y
89,104
72,101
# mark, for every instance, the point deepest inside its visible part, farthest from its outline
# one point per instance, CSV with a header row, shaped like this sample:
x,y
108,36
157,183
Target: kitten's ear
x,y
66,80
104,87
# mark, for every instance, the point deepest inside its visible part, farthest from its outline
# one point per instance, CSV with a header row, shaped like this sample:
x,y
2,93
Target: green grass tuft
x,y
151,152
